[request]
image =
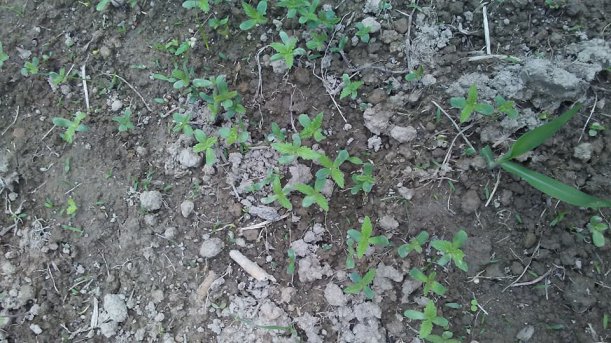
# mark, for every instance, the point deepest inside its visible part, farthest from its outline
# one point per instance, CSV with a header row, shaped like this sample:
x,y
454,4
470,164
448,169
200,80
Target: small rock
x,y
150,219
372,24
409,286
116,105
372,6
150,200
211,247
401,25
189,159
300,173
264,212
428,80
516,268
35,329
470,202
186,208
105,52
403,134
374,143
388,223
583,151
279,66
377,96
529,240
115,307
526,333
109,328
169,232
406,193
334,295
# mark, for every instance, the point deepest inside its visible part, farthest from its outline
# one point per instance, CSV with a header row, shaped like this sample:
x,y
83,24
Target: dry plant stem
x,y
259,92
132,87
261,224
496,185
486,30
486,57
525,268
85,90
446,159
13,123
589,117
455,125
250,267
528,283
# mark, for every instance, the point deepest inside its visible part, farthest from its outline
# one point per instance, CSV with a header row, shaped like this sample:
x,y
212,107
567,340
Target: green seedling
x,y
3,56
278,135
470,105
280,194
290,269
595,127
292,6
451,251
558,218
598,227
332,168
233,134
205,144
351,253
102,4
363,32
221,99
257,16
307,14
220,25
415,244
312,196
361,283
474,305
176,48
429,281
30,68
202,5
125,122
317,42
555,4
67,165
59,77
428,318
364,239
505,106
286,50
49,203
291,151
363,181
415,75
605,321
71,207
179,78
311,128
350,87
341,45
182,123
446,337
257,186
554,188
326,19
72,126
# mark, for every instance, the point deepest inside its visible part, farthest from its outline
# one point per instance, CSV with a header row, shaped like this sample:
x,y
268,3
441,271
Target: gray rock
x,y
211,247
377,120
300,173
109,329
388,223
526,333
150,200
334,295
406,193
186,208
115,307
35,329
372,24
428,80
279,66
374,143
583,151
116,105
169,232
403,134
264,212
470,202
551,81
311,270
188,159
372,6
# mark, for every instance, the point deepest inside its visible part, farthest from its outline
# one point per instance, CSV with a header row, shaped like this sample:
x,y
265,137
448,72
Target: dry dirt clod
x,y
150,200
211,247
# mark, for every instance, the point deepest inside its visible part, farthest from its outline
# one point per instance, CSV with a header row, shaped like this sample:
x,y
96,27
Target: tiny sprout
x,y
361,283
350,87
597,227
595,128
72,126
125,123
451,251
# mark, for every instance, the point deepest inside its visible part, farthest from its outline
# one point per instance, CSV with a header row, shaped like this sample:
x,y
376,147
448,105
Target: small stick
x,y
486,30
250,267
259,93
85,91
499,56
202,291
587,121
455,125
528,283
13,123
132,87
95,314
261,224
496,185
525,268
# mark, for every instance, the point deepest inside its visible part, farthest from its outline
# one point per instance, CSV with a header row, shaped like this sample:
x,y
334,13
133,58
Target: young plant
x,y
312,196
506,106
71,207
429,281
350,87
182,123
415,244
102,4
332,168
363,32
220,25
292,6
234,134
257,16
364,239
290,269
291,151
286,50
595,128
221,99
280,194
470,105
363,181
554,188
311,128
446,337
205,144
59,77
30,68
278,135
451,251
428,318
597,228
3,56
317,42
361,283
474,305
72,126
415,75
125,122
202,5
179,78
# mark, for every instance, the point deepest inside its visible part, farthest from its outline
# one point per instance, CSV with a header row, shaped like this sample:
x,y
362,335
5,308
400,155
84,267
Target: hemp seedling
x,y
332,168
3,56
30,68
286,50
71,207
428,318
257,16
311,128
363,32
233,134
364,181
415,75
350,87
597,228
429,281
102,4
312,195
180,78
280,194
125,122
291,151
59,77
415,244
292,6
505,106
182,123
278,135
595,127
72,126
220,25
221,99
205,144
361,283
446,337
451,251
202,5
470,105
317,42
364,239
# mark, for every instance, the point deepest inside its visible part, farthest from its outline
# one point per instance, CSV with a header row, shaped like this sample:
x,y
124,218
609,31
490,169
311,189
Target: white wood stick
x,y
250,267
84,77
486,30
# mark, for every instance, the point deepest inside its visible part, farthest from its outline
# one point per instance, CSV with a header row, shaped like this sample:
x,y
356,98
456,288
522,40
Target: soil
x,y
146,256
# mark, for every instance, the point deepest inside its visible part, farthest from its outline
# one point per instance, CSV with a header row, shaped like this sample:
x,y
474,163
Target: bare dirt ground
x,y
130,236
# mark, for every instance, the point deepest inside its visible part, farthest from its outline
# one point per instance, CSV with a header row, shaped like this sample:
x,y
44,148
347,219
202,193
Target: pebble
x,y
35,329
529,240
189,159
150,200
372,24
211,247
169,232
388,223
470,202
334,295
401,25
186,208
403,134
116,105
526,333
583,151
115,307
